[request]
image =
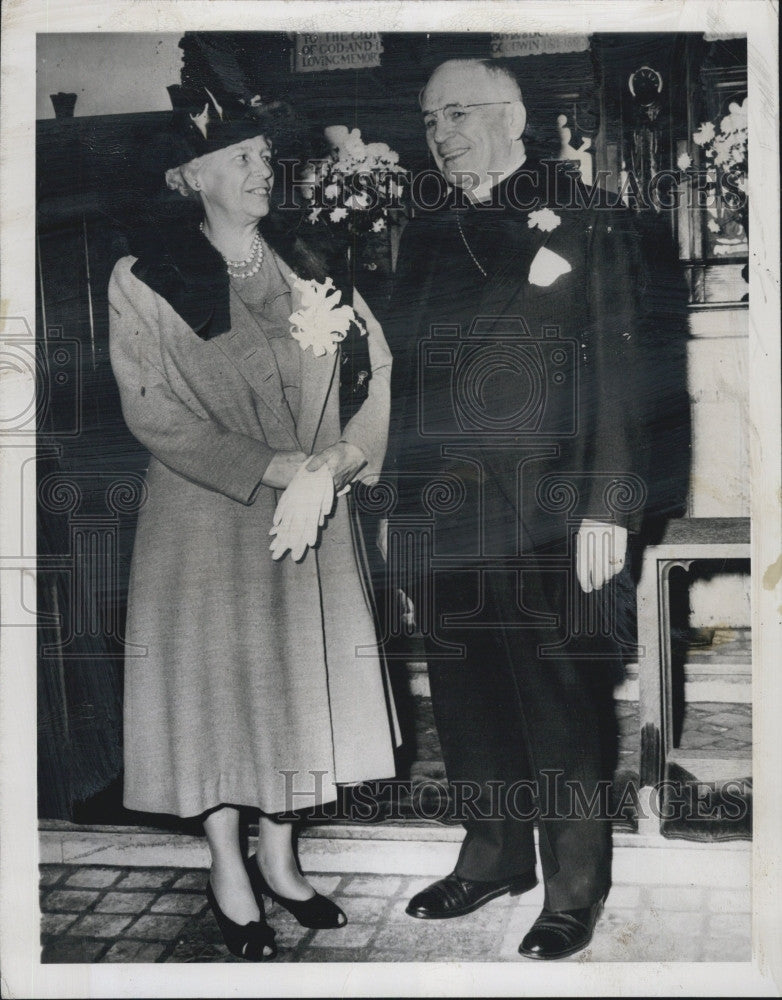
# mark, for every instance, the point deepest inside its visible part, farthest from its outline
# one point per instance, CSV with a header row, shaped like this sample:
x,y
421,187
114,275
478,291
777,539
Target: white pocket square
x,y
547,267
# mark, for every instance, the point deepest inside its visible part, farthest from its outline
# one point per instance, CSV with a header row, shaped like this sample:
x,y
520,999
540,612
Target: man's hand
x,y
601,550
344,461
282,468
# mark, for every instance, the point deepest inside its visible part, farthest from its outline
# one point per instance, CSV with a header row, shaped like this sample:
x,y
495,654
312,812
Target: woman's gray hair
x,y
184,179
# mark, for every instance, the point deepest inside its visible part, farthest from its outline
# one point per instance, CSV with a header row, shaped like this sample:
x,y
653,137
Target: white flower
x,y
313,214
331,191
344,142
721,154
337,214
350,152
307,185
704,134
684,162
378,226
336,135
320,322
712,226
355,147
544,219
360,200
378,154
736,119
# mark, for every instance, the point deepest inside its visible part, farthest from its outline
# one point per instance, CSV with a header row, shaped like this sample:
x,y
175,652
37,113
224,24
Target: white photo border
x,y
22,973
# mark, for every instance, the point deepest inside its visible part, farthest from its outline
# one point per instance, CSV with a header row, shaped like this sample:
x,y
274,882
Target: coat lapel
x,y
312,255
507,287
246,347
317,377
317,373
189,273
510,283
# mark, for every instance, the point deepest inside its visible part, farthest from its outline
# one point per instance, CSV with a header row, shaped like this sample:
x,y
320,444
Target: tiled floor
x,y
108,914
717,726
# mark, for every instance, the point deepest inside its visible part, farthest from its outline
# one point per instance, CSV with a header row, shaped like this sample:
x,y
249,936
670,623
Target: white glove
x,y
601,550
301,512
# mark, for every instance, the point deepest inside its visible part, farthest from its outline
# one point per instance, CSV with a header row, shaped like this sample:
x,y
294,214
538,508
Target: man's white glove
x,y
301,512
601,550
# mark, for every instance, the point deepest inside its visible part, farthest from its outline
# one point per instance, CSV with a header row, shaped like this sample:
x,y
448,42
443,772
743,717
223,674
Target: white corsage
x,y
321,322
546,267
544,219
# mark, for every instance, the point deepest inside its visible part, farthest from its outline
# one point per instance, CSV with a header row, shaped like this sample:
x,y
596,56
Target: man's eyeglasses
x,y
455,113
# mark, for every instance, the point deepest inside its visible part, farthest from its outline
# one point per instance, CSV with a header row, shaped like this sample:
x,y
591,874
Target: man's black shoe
x,y
454,896
561,933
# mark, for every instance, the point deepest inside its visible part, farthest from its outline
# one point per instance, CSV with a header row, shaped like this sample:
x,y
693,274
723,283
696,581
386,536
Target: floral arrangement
x,y
320,322
359,187
724,147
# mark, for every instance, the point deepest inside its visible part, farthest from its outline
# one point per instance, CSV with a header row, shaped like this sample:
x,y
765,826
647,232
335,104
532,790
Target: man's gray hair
x,y
499,67
495,67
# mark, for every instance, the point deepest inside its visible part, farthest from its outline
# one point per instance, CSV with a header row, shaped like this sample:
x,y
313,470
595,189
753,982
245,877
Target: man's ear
x,y
518,119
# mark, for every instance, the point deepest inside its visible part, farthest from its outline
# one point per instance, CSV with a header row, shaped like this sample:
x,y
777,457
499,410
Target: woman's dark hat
x,y
200,125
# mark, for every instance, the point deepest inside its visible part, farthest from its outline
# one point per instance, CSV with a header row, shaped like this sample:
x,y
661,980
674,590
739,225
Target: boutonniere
x,y
544,219
320,322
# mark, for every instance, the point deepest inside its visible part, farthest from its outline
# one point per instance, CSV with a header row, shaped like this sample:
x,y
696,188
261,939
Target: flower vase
x,y
371,267
63,103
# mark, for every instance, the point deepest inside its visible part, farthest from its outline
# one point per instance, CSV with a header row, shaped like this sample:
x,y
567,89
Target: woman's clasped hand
x,y
301,512
309,498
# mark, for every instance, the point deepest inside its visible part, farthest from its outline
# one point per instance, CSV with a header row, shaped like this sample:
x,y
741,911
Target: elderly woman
x,y
251,678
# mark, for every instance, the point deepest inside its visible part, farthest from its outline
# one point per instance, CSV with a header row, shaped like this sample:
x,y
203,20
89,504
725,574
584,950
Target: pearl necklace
x,y
250,265
467,246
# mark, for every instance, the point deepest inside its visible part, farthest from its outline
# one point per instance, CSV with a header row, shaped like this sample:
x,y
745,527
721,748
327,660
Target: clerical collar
x,y
483,193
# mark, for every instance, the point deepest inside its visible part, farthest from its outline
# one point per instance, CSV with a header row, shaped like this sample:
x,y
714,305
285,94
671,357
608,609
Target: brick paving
x,y
161,915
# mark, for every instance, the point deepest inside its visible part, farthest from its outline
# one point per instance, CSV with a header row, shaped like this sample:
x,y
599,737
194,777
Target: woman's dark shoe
x,y
317,911
557,934
248,941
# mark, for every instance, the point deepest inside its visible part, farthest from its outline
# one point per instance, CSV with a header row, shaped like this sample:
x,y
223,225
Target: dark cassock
x,y
518,412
